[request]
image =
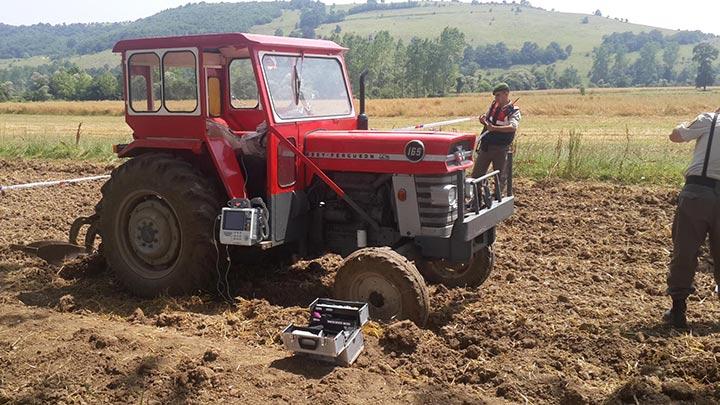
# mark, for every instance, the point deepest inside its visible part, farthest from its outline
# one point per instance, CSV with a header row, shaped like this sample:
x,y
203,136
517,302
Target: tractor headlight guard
x,y
444,195
469,190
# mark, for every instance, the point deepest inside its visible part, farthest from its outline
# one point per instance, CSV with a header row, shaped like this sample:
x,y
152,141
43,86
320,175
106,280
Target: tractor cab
x,y
247,142
221,95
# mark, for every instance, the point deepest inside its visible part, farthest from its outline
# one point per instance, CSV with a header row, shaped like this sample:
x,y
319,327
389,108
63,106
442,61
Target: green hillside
x,y
530,47
481,24
492,23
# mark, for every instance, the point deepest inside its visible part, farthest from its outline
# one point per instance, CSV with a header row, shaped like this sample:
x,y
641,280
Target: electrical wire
x,y
227,274
242,163
225,295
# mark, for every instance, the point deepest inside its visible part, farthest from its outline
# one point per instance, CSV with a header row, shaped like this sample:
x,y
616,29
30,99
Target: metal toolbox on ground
x,y
338,315
342,347
334,333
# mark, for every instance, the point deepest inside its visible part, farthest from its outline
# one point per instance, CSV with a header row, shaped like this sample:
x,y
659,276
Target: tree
x,y
597,13
703,55
415,66
519,79
645,69
444,65
619,73
39,89
529,53
670,55
6,91
585,20
569,78
599,73
62,85
104,87
82,86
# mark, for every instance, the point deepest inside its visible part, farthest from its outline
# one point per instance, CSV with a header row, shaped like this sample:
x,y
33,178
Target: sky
x,y
701,15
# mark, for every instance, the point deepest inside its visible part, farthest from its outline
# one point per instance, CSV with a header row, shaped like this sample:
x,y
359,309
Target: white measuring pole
x,y
52,183
436,124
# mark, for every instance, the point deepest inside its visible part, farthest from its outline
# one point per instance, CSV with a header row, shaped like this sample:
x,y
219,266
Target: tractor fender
x,y
143,145
221,154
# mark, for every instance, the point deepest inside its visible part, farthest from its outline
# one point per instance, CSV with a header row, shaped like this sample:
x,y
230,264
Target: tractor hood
x,y
406,152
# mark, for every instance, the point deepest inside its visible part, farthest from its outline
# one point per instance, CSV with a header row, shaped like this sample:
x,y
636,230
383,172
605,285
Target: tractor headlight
x,y
443,195
469,191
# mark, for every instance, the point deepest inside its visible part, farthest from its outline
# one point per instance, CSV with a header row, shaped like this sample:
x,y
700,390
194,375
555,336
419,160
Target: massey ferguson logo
x,y
414,151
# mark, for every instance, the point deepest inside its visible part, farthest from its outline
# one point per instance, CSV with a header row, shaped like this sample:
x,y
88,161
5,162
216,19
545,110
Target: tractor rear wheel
x,y
470,274
157,219
387,281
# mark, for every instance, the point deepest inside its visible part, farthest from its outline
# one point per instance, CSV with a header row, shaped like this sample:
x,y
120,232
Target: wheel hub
x,y
154,233
448,269
384,297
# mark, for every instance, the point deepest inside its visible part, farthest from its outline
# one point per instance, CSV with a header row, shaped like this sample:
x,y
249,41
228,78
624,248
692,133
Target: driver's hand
x,y
483,120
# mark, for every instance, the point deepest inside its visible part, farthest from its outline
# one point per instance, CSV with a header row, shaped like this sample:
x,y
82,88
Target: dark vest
x,y
494,115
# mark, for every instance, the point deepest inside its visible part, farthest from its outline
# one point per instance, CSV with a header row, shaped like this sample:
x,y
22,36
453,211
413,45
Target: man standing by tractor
x,y
697,214
501,122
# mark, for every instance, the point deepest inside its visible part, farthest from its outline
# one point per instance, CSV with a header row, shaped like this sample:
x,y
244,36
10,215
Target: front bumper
x,y
475,225
477,219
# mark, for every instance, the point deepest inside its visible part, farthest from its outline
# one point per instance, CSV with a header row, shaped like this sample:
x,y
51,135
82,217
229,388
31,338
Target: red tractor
x,y
248,142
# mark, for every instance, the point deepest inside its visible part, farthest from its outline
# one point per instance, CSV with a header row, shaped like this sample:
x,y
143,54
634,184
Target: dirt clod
x,y
137,316
210,355
66,303
197,376
678,390
102,341
403,336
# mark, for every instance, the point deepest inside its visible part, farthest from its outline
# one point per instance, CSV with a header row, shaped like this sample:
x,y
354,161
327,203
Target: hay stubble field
x,y
606,134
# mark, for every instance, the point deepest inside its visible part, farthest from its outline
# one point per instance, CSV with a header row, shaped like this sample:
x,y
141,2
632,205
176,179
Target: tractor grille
x,y
433,215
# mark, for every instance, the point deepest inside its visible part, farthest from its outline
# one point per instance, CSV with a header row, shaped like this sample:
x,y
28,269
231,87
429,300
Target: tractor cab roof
x,y
234,39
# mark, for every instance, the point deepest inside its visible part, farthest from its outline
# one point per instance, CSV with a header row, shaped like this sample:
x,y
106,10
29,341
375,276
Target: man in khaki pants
x,y
501,121
697,214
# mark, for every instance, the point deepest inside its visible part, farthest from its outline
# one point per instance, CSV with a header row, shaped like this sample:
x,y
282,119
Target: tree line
x,y
500,56
419,68
60,81
658,62
442,65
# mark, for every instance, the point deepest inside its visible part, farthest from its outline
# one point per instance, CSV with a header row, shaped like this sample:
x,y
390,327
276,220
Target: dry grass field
x,y
606,134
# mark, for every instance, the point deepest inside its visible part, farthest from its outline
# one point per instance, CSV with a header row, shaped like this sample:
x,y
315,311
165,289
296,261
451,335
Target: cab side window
x,y
180,89
243,87
145,82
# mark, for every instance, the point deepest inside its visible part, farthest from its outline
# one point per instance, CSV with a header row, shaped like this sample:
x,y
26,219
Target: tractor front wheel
x,y
387,281
157,217
470,274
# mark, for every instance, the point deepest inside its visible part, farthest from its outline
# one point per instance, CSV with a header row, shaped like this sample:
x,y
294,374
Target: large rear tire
x,y
387,281
157,218
471,274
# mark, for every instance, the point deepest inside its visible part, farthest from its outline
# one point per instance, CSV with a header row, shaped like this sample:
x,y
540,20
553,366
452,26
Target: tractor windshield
x,y
306,87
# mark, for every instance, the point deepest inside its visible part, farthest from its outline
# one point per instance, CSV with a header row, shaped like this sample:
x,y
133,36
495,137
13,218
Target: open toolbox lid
x,y
338,315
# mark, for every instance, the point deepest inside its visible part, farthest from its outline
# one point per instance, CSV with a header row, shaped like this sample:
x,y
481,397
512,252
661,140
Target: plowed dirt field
x,y
569,315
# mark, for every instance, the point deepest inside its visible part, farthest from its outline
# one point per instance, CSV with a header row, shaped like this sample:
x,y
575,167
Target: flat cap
x,y
501,87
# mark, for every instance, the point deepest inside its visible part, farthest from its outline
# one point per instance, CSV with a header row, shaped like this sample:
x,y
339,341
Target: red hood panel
x,y
384,151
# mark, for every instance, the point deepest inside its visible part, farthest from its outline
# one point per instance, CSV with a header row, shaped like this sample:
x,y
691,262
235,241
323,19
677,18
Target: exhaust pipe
x,y
362,120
